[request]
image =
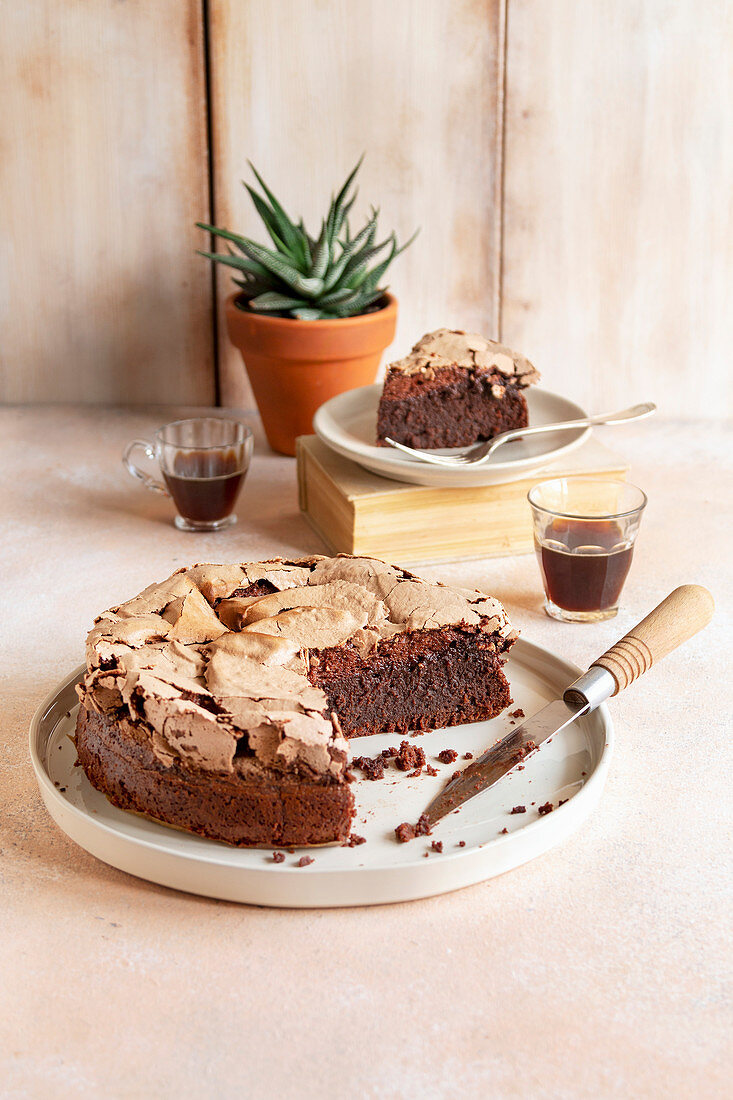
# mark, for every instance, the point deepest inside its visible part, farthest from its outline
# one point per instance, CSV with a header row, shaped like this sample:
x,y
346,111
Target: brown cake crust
x,y
244,811
217,700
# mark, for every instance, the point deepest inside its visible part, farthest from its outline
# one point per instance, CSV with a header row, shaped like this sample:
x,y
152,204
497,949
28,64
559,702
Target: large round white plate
x,y
348,424
572,766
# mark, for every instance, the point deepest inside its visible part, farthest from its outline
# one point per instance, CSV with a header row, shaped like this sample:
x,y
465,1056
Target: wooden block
x,y
357,512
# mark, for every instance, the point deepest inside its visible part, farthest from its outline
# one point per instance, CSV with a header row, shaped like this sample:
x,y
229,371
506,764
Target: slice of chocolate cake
x,y
218,700
453,389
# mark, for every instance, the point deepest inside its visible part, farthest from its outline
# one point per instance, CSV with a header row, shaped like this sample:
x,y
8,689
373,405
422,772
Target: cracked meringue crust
x,y
219,699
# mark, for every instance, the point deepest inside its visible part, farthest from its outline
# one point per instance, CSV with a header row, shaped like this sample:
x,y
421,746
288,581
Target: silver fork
x,y
481,452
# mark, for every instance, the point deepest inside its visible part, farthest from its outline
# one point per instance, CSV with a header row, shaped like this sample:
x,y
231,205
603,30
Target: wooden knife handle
x,y
684,612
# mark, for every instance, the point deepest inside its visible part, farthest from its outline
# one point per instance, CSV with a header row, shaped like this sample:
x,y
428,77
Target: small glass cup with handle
x,y
203,461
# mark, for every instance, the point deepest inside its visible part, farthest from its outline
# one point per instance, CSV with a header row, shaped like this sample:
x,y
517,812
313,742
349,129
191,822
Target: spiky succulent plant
x,y
329,276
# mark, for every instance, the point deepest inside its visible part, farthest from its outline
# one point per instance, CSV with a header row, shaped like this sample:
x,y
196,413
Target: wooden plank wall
x,y
603,247
103,171
618,206
303,87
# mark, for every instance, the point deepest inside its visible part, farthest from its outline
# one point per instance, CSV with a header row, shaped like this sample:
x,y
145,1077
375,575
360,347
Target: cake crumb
x,y
373,767
437,845
562,801
504,831
387,753
447,756
518,810
405,831
409,756
354,841
278,857
518,713
468,756
305,861
414,775
431,770
522,751
546,809
461,844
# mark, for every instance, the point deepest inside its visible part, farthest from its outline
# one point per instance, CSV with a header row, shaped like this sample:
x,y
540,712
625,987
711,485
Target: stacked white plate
x,y
348,425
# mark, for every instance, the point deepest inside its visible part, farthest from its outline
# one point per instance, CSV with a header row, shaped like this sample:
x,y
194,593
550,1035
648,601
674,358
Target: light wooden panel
x,y
103,171
618,233
302,87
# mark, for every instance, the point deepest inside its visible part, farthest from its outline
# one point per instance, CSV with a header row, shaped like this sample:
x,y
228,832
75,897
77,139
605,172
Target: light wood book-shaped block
x,y
357,512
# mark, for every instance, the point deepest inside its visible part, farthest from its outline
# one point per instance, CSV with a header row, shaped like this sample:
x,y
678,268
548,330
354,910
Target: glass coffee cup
x,y
584,534
204,462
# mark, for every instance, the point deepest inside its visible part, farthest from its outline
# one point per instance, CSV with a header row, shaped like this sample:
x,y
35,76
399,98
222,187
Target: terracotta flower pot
x,y
294,366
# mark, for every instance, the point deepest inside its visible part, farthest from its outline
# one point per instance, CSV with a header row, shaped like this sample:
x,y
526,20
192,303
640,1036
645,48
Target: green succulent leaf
x,y
335,298
239,262
358,265
373,276
321,254
308,314
340,211
306,245
363,240
285,228
284,270
269,220
271,300
359,303
367,234
251,287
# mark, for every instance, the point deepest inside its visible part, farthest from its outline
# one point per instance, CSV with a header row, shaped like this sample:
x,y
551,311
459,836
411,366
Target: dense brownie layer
x,y
454,408
252,811
421,680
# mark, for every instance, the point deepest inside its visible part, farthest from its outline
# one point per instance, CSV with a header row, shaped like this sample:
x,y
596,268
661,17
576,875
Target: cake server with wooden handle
x,y
684,612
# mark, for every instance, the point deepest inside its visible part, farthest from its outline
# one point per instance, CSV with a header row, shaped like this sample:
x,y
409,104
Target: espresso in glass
x,y
584,534
205,484
204,462
584,564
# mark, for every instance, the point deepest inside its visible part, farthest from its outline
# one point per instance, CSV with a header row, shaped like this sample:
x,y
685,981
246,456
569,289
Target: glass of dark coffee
x,y
584,534
204,462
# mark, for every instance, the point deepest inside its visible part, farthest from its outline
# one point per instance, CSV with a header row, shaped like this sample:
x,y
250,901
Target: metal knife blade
x,y
685,611
504,756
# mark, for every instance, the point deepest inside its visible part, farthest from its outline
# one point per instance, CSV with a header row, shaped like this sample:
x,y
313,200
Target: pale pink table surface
x,y
600,969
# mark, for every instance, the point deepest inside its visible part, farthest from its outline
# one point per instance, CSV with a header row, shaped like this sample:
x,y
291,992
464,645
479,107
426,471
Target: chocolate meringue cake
x,y
220,700
453,389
